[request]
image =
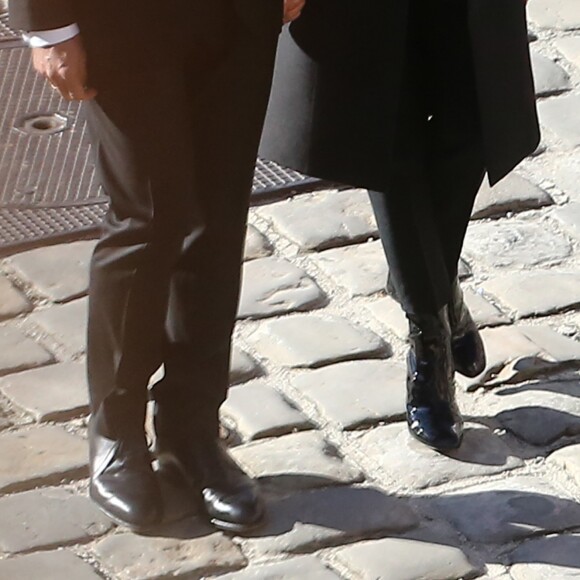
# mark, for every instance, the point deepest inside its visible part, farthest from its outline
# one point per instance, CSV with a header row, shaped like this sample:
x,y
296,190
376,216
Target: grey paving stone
x,y
256,245
313,341
559,14
297,461
564,172
67,323
132,557
504,511
568,458
525,292
257,410
12,301
55,565
388,312
559,115
272,286
512,194
46,518
484,313
570,48
547,558
347,219
361,269
242,367
54,393
409,464
18,352
554,347
405,559
358,393
549,77
60,272
40,456
306,567
308,521
511,243
569,216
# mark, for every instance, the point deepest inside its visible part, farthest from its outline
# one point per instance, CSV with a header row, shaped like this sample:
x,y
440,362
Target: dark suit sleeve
x,y
41,14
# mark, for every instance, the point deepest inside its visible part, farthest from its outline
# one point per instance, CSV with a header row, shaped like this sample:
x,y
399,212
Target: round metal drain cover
x,y
42,124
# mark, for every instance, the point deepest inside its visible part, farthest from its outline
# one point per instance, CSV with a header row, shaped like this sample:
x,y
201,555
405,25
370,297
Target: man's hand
x,y
292,9
65,67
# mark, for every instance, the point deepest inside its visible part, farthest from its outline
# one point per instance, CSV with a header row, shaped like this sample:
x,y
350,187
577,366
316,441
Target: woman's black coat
x,y
336,88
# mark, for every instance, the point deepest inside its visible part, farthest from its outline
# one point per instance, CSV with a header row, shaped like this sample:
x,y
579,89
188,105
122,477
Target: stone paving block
x,y
388,312
564,172
348,219
258,410
48,517
549,77
272,286
525,292
312,341
305,567
60,272
570,48
569,216
54,393
555,346
40,456
297,461
12,301
505,511
361,269
512,194
560,116
484,313
358,393
511,243
256,245
55,565
405,559
568,458
132,557
67,323
242,367
18,352
559,14
410,464
311,520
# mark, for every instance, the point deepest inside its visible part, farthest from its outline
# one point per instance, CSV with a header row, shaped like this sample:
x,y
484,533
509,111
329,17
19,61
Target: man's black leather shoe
x,y
122,481
466,344
432,413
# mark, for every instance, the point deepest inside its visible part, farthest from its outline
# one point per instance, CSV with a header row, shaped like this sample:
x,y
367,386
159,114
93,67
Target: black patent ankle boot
x,y
432,414
466,344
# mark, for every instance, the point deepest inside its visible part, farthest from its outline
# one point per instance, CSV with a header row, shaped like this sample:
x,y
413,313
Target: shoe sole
x,y
437,447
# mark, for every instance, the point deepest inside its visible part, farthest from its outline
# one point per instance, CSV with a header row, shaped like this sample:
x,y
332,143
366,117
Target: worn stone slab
x,y
60,273
242,367
549,77
312,341
132,557
256,245
564,172
483,312
547,558
504,511
54,393
405,559
570,48
409,464
568,458
257,410
12,301
40,456
389,313
55,565
18,352
511,195
559,115
311,520
46,518
336,391
512,243
66,323
524,293
347,219
559,14
306,567
297,461
272,286
569,216
361,269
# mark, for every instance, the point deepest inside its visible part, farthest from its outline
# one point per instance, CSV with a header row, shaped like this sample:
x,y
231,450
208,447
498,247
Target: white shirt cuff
x,y
44,38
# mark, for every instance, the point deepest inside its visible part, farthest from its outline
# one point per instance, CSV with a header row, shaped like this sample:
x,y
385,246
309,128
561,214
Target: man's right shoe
x,y
123,483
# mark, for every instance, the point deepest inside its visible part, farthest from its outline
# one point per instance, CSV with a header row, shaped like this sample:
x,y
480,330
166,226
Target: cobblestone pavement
x,y
316,412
